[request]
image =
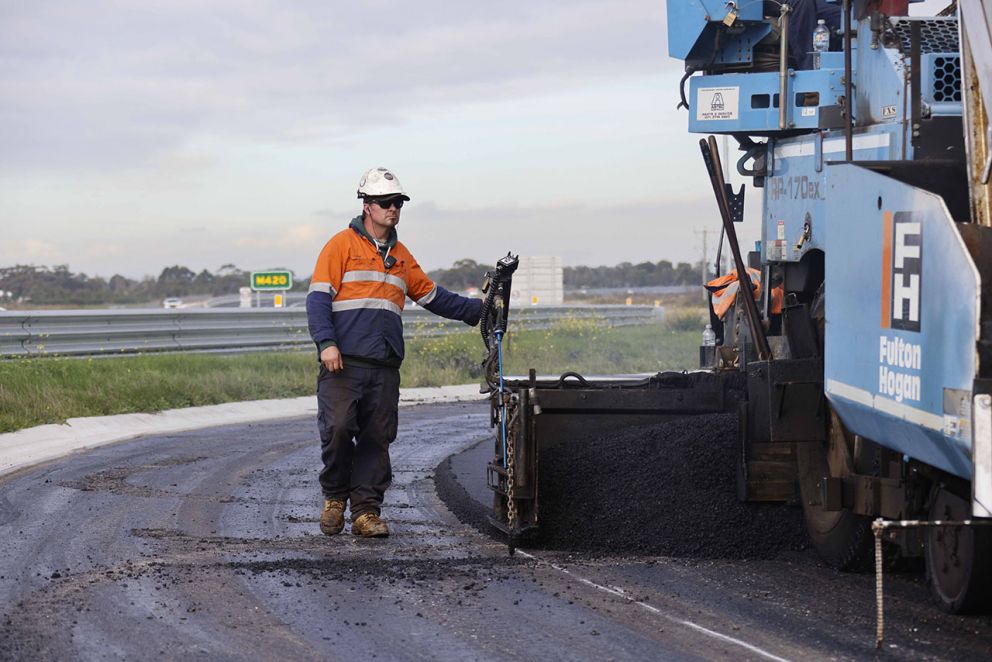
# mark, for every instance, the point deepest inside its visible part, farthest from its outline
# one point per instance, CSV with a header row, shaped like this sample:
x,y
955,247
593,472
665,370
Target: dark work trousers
x,y
357,416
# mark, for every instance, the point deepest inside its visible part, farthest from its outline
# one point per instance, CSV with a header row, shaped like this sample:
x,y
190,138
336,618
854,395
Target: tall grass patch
x,y
51,390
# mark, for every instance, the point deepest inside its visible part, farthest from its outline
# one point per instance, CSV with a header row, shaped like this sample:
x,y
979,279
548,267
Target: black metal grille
x,y
937,35
947,78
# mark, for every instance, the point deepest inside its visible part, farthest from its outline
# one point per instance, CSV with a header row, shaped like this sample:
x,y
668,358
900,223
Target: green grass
x,y
578,345
50,390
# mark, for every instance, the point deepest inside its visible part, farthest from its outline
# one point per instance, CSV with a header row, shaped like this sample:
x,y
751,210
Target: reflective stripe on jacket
x,y
356,303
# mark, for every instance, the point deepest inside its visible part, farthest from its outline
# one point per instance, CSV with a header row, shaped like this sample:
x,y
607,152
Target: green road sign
x,y
268,281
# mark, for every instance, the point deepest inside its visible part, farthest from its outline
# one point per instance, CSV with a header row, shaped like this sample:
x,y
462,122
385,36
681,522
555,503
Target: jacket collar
x,y
358,226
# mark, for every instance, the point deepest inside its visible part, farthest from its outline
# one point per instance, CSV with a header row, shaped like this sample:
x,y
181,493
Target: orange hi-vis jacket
x,y
724,290
356,303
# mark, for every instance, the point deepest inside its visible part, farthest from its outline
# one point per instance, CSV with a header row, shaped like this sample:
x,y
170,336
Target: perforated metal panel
x,y
947,78
937,35
938,39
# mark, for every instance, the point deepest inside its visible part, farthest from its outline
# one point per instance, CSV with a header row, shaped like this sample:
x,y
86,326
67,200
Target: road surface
x,y
206,544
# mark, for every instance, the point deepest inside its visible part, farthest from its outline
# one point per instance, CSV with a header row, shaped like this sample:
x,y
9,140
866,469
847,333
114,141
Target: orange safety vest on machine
x,y
724,290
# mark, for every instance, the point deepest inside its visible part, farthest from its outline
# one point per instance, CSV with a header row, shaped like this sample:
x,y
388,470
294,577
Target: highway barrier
x,y
113,332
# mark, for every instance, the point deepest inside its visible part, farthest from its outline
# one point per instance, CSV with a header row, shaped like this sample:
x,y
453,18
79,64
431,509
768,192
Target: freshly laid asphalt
x,y
205,543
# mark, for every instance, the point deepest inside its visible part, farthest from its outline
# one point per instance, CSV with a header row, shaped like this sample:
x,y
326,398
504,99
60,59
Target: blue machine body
x,y
899,375
725,103
906,386
796,186
692,29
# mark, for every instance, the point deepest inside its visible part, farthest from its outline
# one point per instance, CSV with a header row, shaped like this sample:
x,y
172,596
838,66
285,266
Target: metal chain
x,y
879,593
511,503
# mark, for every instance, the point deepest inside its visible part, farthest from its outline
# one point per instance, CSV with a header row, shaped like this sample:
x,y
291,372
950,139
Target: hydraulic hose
x,y
492,324
486,321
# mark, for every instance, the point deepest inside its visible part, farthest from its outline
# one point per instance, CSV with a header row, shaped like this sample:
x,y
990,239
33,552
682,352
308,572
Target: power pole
x,y
703,264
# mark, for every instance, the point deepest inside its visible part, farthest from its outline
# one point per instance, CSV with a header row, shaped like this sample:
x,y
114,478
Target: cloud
x,y
304,237
583,234
31,251
102,250
120,85
649,229
205,132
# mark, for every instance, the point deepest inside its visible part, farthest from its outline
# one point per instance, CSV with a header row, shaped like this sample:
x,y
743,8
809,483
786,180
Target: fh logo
x,y
902,271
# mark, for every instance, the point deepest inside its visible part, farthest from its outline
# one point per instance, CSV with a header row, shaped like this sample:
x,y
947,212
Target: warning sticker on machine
x,y
717,103
957,413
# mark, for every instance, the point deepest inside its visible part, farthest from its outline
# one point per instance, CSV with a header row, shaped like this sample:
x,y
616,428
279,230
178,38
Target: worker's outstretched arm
x,y
426,293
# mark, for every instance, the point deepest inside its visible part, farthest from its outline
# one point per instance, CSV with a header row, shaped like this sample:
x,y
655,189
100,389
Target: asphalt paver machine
x,y
866,393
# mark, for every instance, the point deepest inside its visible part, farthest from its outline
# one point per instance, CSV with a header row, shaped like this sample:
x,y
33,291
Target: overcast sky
x,y
138,135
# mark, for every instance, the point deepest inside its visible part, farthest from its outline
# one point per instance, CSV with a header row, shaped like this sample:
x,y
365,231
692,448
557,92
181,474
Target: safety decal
x,y
957,413
717,103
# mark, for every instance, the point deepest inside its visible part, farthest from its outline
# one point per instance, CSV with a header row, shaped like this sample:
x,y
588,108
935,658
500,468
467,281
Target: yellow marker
x,y
277,301
630,300
533,301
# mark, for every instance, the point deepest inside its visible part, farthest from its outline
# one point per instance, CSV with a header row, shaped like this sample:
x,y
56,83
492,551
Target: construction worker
x,y
359,285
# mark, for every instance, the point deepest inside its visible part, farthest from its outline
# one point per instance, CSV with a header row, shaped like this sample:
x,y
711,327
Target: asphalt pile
x,y
666,489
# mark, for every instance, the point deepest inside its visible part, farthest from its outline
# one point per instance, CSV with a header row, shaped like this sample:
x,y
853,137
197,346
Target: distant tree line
x,y
625,274
462,275
59,286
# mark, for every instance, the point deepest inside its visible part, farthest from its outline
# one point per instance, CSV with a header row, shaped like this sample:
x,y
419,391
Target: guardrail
x,y
111,332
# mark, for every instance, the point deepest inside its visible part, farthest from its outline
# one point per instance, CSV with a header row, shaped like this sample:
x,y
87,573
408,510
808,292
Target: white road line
x,y
621,593
729,639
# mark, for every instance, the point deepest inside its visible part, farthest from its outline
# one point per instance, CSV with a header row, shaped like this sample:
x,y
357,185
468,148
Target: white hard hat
x,y
379,182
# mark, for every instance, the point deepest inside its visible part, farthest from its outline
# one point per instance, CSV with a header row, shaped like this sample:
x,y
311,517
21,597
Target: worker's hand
x,y
331,358
476,313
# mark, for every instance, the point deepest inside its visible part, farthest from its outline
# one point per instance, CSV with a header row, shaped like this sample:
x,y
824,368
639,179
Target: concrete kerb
x,y
31,446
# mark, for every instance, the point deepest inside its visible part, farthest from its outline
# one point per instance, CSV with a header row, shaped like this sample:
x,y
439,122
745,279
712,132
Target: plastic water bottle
x,y
709,336
821,37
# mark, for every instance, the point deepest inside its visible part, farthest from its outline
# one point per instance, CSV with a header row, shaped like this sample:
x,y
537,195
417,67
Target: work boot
x,y
368,525
332,517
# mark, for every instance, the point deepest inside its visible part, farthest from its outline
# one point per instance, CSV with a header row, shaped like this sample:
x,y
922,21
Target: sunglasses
x,y
393,202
